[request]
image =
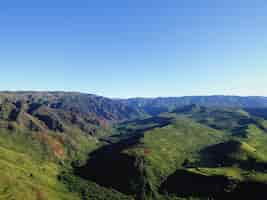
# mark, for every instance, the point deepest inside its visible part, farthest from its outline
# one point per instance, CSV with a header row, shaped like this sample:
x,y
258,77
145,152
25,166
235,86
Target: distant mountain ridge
x,y
121,109
157,105
88,104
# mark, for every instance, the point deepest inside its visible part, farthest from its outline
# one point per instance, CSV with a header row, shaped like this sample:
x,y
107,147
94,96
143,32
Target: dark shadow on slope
x,y
152,122
259,112
125,131
110,167
188,184
185,184
232,153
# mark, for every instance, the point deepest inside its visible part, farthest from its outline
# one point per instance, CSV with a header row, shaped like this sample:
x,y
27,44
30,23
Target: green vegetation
x,y
165,149
187,141
25,174
60,146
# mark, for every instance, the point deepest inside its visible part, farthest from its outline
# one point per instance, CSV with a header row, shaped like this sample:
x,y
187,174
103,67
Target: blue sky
x,y
126,48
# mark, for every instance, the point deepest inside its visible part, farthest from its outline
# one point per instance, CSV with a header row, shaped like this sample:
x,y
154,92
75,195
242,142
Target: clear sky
x,y
128,48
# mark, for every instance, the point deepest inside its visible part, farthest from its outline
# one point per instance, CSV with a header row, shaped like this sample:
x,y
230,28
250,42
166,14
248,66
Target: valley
x,y
59,145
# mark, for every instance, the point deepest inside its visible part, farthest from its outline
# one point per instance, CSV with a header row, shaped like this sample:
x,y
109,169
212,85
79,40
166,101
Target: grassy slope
x,y
169,148
32,170
165,149
256,138
29,170
252,147
233,173
29,179
25,176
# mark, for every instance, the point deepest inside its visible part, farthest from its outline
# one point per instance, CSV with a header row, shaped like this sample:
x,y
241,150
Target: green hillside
x,y
28,171
155,148
149,158
38,146
58,145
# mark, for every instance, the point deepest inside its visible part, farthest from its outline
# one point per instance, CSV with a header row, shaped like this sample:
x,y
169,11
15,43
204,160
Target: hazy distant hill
x,y
157,105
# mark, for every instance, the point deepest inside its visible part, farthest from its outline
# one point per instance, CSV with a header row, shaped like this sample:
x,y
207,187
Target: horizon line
x,y
134,97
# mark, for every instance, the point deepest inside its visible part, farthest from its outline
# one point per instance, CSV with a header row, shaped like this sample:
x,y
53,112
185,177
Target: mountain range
x,y
70,145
